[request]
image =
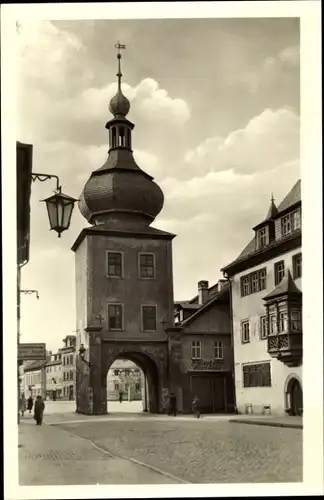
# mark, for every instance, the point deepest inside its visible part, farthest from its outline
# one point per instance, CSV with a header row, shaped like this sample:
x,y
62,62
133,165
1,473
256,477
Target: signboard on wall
x,y
31,352
206,365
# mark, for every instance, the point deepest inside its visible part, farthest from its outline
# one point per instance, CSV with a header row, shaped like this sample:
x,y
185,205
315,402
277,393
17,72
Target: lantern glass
x,y
59,209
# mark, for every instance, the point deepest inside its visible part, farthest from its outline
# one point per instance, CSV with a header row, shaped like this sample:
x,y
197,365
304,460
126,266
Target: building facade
x,y
68,367
266,298
125,376
54,389
202,337
34,379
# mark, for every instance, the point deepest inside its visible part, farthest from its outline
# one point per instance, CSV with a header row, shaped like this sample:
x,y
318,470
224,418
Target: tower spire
x,y
119,75
119,104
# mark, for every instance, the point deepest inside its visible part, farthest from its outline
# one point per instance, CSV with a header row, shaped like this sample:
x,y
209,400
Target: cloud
x,y
268,140
273,69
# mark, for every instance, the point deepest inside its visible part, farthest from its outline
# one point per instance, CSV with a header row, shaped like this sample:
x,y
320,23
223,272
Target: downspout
x,y
226,276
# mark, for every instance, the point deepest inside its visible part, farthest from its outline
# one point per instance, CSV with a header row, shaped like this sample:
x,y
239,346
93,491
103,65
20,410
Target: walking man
x,y
39,410
120,396
173,404
194,407
30,404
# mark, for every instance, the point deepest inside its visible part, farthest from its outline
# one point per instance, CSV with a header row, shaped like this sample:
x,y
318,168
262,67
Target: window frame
x,y
289,221
139,265
299,321
219,348
195,346
276,271
116,304
295,266
253,376
142,317
260,279
244,323
262,237
263,327
115,276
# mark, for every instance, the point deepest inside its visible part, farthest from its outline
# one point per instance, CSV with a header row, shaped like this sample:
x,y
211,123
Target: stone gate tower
x,y
124,282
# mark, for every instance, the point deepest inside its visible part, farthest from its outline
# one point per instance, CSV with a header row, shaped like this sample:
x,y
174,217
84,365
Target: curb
x,y
267,424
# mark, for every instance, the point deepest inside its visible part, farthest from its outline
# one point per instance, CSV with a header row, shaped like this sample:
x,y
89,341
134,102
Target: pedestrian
x,y
173,404
120,396
30,403
22,402
39,410
194,407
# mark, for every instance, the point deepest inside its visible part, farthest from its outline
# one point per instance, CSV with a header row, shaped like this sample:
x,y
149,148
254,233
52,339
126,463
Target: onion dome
x,y
120,193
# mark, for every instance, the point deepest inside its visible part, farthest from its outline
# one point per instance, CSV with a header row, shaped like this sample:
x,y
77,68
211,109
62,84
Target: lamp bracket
x,y
45,177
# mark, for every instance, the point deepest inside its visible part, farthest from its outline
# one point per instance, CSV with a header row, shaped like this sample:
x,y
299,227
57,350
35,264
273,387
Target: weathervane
x,y
119,47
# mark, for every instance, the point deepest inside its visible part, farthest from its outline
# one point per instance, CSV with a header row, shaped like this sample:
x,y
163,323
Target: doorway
x,y
295,397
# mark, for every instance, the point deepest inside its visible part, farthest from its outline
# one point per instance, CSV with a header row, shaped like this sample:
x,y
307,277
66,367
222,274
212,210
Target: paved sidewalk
x,y
289,422
51,456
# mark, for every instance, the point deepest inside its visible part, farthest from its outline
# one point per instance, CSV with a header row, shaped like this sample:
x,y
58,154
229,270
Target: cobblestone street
x,y
143,449
201,451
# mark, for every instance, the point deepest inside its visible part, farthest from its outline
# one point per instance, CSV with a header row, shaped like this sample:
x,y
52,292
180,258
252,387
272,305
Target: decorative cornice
x,y
91,231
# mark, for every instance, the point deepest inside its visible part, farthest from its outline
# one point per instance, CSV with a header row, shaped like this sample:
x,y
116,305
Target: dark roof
x,y
55,362
35,365
223,294
187,305
293,197
285,287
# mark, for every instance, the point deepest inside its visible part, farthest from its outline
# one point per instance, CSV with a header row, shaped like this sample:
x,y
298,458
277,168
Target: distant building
x,y
68,367
203,334
266,293
34,379
54,389
125,376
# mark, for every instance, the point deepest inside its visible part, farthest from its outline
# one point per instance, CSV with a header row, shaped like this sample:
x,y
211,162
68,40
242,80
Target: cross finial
x,y
119,47
272,198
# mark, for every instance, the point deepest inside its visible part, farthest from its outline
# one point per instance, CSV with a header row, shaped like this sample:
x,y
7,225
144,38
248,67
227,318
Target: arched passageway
x,y
145,379
294,396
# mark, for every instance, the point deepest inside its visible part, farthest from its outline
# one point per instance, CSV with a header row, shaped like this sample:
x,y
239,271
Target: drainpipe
x,y
226,276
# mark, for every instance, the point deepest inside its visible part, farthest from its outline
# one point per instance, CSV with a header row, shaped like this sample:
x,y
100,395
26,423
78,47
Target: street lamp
x,y
82,352
59,206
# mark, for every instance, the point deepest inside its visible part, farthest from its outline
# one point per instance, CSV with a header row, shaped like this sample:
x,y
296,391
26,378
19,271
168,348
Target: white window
x,y
254,282
263,327
290,222
295,321
272,324
286,225
114,264
283,320
262,238
146,265
295,220
195,350
218,350
245,286
245,331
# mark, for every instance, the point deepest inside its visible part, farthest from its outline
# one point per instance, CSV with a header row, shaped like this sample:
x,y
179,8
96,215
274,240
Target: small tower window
x,y
129,144
113,135
121,137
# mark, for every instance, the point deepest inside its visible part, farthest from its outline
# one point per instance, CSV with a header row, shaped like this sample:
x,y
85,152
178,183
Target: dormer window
x,y
262,237
290,222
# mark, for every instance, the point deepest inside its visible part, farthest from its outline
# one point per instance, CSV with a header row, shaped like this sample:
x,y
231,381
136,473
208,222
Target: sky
x,y
216,106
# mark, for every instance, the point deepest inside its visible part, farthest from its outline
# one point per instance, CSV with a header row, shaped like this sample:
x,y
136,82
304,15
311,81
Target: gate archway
x,y
151,384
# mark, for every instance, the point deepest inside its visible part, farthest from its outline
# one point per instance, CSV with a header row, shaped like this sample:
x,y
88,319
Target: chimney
x,y
222,284
202,292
